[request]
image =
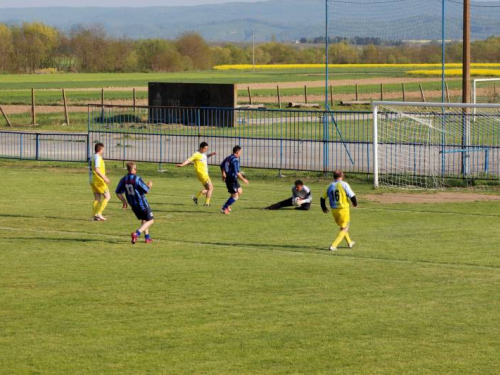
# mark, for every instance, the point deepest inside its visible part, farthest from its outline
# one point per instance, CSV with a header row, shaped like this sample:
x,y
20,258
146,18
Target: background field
x,y
250,292
82,89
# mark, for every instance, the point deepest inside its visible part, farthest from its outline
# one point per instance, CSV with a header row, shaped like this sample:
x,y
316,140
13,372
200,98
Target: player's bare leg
x,y
208,192
143,229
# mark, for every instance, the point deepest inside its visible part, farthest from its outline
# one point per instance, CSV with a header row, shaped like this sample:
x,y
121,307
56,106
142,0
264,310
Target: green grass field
x,y
91,80
255,291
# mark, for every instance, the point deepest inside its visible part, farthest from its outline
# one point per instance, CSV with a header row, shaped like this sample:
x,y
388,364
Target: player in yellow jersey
x,y
199,160
99,183
338,194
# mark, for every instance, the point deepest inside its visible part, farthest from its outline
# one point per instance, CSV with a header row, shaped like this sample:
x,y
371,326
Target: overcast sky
x,y
111,3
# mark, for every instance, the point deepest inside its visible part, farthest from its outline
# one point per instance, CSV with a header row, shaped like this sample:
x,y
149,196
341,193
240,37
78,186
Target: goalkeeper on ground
x,y
301,198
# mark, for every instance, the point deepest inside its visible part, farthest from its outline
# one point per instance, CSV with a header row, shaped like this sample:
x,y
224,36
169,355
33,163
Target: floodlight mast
x,y
327,45
466,87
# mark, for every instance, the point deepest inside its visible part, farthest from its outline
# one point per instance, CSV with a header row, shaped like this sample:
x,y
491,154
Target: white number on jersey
x,y
130,189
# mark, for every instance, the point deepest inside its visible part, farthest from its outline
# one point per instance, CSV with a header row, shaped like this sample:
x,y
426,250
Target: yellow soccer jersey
x,y
97,162
200,163
338,194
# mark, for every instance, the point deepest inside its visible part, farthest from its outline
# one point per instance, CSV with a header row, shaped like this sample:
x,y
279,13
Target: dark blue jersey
x,y
231,165
135,190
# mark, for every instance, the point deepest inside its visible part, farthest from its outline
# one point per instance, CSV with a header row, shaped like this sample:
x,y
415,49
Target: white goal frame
x,y
377,104
474,87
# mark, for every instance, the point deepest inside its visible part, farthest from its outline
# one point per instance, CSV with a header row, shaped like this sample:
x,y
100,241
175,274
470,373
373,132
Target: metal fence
x,y
271,139
44,146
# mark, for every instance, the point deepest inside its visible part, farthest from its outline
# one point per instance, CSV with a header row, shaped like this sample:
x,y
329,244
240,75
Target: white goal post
x,y
426,145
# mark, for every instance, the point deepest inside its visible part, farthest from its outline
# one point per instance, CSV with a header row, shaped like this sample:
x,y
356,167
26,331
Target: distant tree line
x,y
34,47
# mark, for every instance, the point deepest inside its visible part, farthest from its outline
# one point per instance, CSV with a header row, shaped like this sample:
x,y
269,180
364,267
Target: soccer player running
x,y
199,159
135,190
338,194
230,169
99,183
301,198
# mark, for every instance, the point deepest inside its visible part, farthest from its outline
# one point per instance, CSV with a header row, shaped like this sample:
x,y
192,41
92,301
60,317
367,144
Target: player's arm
x,y
351,195
323,202
239,174
223,171
242,178
123,200
308,198
210,155
144,188
354,201
100,174
188,161
120,189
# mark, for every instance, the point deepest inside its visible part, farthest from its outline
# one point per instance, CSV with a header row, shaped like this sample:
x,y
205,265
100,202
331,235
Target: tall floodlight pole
x,y
466,57
443,50
327,45
443,84
466,89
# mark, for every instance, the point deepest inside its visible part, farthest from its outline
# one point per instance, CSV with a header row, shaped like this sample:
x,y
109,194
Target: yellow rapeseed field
x,y
340,66
455,73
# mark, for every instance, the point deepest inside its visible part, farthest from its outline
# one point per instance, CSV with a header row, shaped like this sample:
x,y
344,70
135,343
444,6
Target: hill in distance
x,y
285,20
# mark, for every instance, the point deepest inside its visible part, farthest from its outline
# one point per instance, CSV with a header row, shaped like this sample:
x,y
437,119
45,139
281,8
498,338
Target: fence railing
x,y
44,146
271,139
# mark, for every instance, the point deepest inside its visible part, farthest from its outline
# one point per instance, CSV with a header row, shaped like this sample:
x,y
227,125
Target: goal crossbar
x,y
435,105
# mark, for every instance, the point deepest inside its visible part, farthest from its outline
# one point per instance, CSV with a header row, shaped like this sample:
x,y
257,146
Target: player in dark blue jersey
x,y
135,190
230,169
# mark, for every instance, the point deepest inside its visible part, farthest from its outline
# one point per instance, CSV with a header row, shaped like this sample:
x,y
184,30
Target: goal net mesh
x,y
437,146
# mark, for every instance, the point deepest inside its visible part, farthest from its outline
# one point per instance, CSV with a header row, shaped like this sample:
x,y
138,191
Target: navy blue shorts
x,y
232,186
146,215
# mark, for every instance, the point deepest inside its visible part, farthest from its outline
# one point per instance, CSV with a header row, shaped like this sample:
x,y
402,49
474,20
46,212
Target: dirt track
x,y
334,82
441,197
282,85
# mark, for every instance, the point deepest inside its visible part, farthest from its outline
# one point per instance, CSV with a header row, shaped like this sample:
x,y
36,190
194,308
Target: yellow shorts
x,y
204,179
99,188
342,217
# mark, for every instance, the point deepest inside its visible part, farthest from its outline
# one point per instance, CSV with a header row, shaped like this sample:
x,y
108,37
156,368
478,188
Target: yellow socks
x,y
339,238
199,194
347,238
102,206
94,208
207,201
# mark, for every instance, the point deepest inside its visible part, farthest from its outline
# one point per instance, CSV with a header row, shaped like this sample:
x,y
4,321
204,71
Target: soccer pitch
x,y
254,291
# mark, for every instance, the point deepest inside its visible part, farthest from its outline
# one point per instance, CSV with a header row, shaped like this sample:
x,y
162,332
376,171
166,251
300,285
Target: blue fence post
x,y
21,137
88,146
326,137
37,147
161,151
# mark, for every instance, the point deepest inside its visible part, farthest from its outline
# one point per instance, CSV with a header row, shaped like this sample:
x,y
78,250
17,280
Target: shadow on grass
x,y
77,240
43,217
128,118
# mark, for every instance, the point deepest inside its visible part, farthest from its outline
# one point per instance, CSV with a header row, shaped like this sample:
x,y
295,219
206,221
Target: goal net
x,y
436,145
